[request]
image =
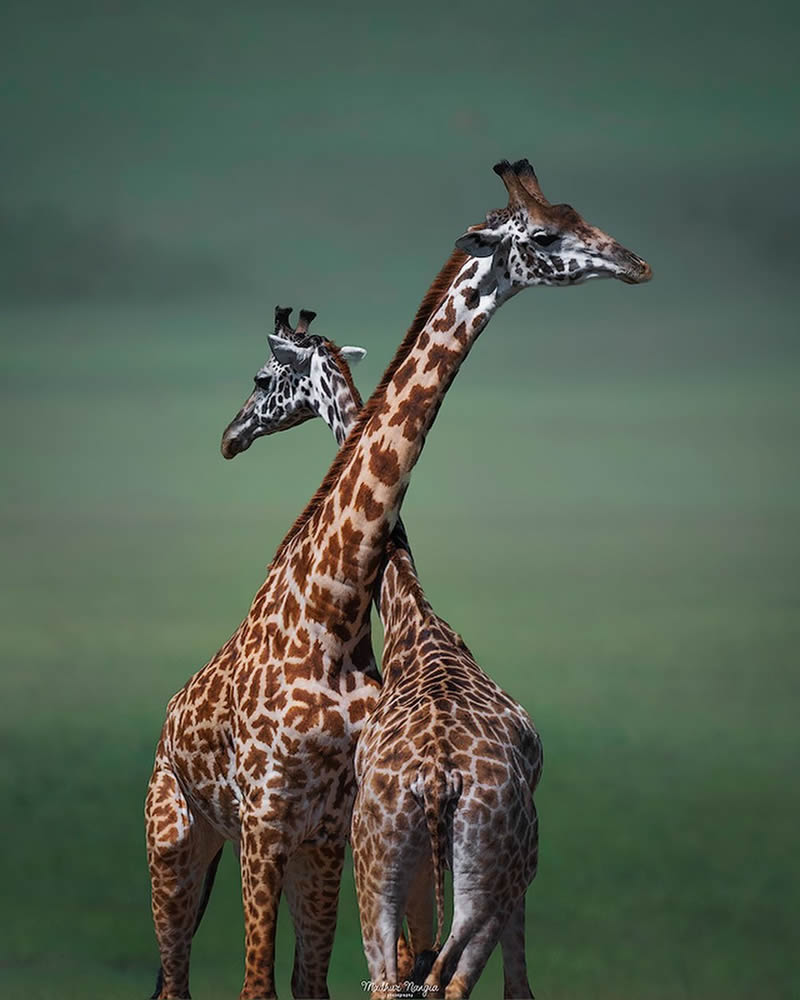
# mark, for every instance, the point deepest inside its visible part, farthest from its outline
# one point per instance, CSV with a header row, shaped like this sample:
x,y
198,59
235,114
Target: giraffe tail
x,y
441,788
208,885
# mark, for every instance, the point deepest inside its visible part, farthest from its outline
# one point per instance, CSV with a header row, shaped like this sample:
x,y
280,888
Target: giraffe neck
x,y
404,609
335,399
357,509
399,586
403,600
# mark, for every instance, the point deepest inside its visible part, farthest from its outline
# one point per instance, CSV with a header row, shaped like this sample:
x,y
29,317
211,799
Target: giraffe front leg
x,y
263,855
180,847
313,877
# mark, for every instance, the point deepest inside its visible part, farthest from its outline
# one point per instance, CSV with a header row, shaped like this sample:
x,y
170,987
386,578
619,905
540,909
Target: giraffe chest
x,y
294,763
295,727
276,737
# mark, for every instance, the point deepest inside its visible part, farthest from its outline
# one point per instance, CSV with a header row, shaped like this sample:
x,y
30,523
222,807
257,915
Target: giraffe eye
x,y
545,239
263,381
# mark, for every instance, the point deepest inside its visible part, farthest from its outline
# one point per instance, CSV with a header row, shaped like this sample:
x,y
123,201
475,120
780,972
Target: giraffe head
x,y
536,243
300,380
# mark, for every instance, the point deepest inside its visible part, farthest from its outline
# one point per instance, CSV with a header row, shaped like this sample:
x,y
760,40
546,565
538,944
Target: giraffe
x,y
309,375
441,709
258,746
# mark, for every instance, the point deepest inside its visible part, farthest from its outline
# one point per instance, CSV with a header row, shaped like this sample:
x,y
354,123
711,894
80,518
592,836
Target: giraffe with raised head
x,y
258,746
444,716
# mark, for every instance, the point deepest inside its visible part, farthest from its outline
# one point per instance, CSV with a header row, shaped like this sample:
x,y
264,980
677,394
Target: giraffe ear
x,y
478,242
288,353
352,355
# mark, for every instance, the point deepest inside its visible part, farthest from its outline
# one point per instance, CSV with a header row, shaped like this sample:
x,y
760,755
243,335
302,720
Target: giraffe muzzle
x,y
233,443
634,269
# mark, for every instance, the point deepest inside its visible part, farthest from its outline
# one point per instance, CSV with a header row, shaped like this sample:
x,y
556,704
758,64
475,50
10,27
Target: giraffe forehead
x,y
282,375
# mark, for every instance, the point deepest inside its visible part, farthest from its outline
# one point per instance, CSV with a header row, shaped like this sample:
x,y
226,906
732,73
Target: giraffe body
x,y
258,747
446,768
278,785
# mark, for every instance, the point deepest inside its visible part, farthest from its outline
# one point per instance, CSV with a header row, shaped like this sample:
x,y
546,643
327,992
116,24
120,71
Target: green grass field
x,y
618,552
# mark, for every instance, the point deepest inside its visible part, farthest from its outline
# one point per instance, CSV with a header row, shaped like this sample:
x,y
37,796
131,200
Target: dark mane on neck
x,y
428,306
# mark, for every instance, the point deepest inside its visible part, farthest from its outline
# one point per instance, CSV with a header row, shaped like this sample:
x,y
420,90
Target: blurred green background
x,y
606,508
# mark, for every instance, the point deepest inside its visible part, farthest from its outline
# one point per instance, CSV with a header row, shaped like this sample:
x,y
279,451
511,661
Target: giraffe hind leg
x,y
515,969
180,848
419,917
479,919
383,873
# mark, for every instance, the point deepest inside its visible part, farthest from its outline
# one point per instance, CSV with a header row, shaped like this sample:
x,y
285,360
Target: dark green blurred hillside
x,y
607,508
